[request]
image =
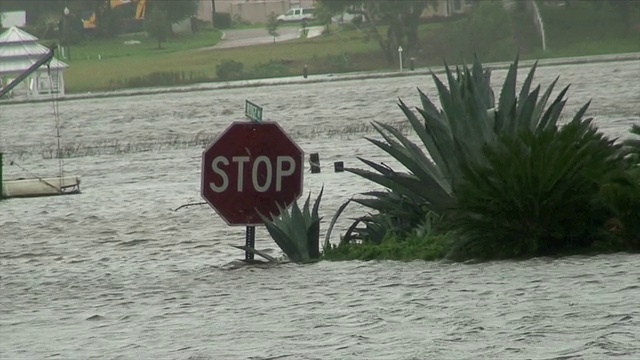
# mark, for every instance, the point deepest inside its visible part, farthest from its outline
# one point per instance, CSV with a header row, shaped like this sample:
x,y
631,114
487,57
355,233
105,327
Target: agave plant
x,y
297,232
535,193
396,214
454,136
633,145
623,197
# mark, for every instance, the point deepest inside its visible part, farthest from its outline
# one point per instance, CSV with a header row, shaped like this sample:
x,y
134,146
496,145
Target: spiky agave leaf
x,y
375,228
327,239
633,145
410,186
280,230
397,206
297,231
432,180
313,228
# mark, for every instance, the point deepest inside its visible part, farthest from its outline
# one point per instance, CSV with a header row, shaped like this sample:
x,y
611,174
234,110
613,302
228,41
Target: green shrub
x,y
582,21
454,136
536,193
338,63
230,70
623,197
164,78
508,178
487,31
633,146
221,20
397,215
405,248
273,68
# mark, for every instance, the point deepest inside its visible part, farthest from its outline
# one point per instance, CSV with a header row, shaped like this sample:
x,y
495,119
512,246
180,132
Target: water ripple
x,y
113,273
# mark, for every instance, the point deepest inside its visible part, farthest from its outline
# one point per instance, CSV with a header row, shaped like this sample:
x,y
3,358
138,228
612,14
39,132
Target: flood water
x,y
115,273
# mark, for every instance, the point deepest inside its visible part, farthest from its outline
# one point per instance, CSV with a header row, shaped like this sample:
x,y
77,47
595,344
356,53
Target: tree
x,y
272,25
401,16
629,10
158,25
176,10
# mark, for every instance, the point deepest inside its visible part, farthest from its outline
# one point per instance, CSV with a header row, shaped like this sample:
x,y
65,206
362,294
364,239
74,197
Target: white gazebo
x,y
19,50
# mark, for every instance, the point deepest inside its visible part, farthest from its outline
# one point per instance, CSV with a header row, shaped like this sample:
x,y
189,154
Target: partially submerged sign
x,y
253,111
249,169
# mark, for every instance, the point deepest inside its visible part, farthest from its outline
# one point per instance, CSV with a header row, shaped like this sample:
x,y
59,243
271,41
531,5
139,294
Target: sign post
x,y
254,113
250,169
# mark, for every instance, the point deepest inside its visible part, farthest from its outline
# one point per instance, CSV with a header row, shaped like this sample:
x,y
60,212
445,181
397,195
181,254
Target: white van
x,y
297,14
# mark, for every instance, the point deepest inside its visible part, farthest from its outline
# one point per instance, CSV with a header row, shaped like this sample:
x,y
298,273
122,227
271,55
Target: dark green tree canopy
x,y
176,10
106,17
401,16
158,25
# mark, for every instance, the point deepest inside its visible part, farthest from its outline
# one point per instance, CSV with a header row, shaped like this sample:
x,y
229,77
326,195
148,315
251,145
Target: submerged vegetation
x,y
495,177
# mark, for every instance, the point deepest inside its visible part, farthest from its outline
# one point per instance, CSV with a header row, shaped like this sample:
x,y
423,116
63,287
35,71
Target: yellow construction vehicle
x,y
90,21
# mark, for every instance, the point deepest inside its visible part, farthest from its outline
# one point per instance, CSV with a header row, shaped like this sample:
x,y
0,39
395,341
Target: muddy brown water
x,y
114,273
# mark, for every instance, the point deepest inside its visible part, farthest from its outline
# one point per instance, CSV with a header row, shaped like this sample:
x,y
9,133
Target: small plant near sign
x,y
297,232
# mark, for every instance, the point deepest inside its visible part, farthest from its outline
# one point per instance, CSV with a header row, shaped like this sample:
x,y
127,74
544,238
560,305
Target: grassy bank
x,y
144,65
100,64
183,59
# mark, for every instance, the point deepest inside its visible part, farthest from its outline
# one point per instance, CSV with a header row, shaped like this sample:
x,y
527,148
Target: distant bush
x,y
229,70
584,21
339,63
167,78
412,247
272,68
234,70
221,20
486,31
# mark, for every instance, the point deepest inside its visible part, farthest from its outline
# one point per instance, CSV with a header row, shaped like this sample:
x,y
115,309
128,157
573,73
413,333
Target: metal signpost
x,y
249,169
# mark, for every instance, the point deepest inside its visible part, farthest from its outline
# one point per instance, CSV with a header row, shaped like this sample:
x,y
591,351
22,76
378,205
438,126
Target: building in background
x,y
19,50
13,18
446,8
257,11
253,11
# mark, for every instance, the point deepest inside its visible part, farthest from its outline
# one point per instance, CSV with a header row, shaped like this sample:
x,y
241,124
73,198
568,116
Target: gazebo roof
x,y
15,35
19,50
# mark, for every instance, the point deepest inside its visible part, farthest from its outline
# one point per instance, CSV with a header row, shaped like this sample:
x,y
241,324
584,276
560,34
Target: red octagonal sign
x,y
251,168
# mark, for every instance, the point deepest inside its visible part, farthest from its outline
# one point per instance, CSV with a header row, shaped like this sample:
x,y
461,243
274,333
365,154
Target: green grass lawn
x,y
341,50
597,47
87,73
147,47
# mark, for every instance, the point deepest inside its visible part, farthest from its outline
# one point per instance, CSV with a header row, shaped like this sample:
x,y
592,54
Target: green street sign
x,y
253,111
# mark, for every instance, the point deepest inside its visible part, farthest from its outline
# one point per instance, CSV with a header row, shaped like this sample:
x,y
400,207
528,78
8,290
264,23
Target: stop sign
x,y
249,169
